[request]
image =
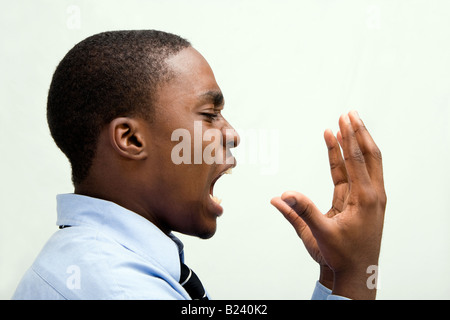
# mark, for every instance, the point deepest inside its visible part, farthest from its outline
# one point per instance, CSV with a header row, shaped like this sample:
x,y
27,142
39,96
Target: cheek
x,y
181,188
189,196
213,149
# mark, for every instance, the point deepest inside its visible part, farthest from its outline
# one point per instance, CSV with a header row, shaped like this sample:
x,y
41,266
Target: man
x,y
115,103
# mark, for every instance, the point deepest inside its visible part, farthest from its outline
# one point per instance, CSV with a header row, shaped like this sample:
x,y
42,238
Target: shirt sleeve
x,y
323,293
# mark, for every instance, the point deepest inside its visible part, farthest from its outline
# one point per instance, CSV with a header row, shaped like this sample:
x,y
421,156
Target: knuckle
x,y
370,198
376,153
334,165
360,128
303,210
340,181
292,217
355,155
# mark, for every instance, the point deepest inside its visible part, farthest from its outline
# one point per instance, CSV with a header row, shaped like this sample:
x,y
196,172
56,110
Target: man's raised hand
x,y
346,240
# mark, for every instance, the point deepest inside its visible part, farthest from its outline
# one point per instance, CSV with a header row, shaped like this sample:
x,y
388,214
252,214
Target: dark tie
x,y
191,283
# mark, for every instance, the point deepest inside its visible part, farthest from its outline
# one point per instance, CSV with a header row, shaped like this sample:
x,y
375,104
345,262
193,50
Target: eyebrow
x,y
213,96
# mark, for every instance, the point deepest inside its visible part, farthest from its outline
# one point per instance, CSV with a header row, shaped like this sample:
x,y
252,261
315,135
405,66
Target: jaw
x,y
211,210
191,209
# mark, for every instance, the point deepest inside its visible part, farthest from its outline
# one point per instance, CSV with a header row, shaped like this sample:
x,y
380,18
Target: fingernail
x,y
356,114
346,118
290,202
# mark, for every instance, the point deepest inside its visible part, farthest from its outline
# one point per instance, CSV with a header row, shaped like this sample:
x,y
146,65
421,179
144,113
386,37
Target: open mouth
x,y
215,199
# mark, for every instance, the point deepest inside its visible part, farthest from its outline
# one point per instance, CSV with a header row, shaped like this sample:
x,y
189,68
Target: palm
x,y
339,198
347,238
340,194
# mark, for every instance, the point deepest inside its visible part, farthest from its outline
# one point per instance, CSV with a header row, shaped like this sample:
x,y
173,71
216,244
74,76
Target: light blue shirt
x,y
108,252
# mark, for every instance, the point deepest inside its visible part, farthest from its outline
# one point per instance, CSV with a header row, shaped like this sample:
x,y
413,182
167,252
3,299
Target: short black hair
x,y
105,76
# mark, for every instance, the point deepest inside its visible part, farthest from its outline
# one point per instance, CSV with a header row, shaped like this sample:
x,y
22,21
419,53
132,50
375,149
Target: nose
x,y
232,138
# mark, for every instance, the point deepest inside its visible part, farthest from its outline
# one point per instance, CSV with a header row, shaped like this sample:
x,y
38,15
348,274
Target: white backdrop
x,y
288,70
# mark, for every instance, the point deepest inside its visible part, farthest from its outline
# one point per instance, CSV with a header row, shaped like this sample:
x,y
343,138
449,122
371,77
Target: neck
x,y
122,195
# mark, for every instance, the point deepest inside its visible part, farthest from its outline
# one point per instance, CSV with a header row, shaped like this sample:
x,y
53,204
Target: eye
x,y
211,116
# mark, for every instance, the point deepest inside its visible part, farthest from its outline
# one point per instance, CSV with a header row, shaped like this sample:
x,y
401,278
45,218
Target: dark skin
x,y
346,240
133,168
133,165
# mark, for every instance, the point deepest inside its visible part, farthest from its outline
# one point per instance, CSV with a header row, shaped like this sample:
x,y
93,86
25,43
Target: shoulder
x,y
82,263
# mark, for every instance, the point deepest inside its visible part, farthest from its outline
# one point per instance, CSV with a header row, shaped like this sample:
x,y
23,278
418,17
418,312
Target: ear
x,y
127,137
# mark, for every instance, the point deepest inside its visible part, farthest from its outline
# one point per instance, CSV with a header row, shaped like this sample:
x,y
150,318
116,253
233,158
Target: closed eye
x,y
211,116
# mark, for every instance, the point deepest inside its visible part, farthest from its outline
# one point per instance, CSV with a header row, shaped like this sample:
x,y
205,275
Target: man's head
x,y
105,76
115,102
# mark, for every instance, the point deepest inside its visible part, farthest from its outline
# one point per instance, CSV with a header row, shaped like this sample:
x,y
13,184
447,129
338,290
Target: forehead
x,y
193,79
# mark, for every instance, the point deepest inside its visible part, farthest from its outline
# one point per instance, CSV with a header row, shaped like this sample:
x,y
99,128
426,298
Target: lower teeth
x,y
215,199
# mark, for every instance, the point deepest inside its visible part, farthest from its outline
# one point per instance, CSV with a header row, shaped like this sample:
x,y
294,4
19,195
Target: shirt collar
x,y
126,227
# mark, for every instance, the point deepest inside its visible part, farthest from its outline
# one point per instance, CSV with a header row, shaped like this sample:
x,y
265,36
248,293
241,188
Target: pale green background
x,y
288,69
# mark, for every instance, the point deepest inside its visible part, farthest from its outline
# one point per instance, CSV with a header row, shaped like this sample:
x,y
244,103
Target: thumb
x,y
306,210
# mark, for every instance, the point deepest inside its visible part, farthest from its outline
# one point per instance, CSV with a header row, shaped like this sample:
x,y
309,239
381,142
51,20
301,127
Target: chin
x,y
196,222
203,231
206,235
